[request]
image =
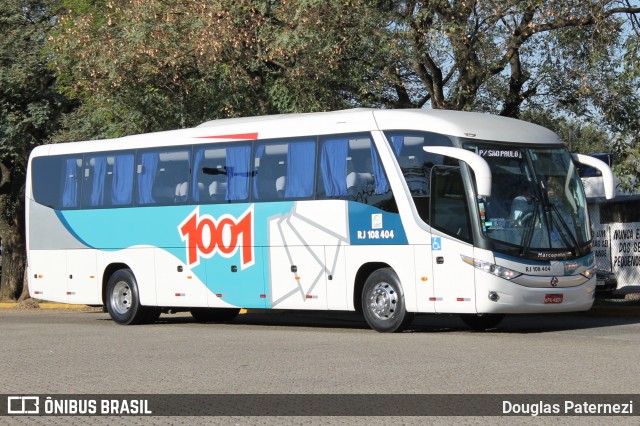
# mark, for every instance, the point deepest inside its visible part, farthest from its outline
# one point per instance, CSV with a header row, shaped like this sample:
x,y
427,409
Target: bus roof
x,y
453,123
468,125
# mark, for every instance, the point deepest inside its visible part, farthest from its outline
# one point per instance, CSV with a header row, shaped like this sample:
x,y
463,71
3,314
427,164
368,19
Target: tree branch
x,y
582,22
520,35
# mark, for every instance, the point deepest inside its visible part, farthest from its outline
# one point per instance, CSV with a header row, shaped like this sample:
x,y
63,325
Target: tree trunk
x,y
25,287
13,264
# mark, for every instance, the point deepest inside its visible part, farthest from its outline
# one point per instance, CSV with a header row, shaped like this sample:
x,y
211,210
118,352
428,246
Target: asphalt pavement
x,y
81,351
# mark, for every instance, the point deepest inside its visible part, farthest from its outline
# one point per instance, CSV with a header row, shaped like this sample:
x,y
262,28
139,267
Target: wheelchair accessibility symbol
x,y
436,244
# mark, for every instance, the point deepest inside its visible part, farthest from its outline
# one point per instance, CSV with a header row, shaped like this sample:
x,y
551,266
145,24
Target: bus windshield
x,y
536,202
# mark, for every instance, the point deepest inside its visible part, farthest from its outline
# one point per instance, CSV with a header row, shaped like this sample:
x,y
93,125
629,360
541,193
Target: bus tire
x,y
383,302
123,300
214,314
482,322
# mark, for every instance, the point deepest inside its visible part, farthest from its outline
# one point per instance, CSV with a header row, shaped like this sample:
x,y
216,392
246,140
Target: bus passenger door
x,y
454,283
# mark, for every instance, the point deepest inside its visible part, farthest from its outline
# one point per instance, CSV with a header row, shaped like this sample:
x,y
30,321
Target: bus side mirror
x,y
607,174
478,164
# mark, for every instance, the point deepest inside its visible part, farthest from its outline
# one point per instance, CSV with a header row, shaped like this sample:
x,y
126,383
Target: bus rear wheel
x,y
123,300
383,302
482,322
214,314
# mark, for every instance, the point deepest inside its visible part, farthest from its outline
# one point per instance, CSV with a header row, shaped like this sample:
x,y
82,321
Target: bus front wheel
x,y
123,300
383,302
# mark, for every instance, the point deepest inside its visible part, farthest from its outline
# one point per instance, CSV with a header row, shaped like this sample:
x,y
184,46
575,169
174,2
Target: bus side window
x,y
269,165
108,180
332,168
210,175
163,177
299,179
72,181
360,178
94,181
221,174
449,209
57,181
122,179
416,164
350,168
284,170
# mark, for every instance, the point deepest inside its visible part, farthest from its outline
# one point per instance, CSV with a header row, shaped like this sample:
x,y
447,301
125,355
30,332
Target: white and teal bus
x,y
388,212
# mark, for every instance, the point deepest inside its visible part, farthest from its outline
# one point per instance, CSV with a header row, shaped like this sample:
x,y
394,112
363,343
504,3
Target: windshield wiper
x,y
566,228
527,237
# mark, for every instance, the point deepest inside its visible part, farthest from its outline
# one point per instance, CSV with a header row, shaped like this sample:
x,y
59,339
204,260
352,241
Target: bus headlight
x,y
589,273
498,271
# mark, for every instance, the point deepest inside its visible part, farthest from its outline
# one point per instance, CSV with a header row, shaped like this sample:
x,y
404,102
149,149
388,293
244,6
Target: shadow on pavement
x,y
603,314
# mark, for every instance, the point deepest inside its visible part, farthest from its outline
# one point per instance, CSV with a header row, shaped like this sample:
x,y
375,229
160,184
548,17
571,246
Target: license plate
x,y
553,298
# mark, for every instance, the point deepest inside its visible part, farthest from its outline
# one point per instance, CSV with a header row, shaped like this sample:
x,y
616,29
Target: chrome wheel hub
x,y
382,301
121,297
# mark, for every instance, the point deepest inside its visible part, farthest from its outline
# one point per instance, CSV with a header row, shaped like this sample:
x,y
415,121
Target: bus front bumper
x,y
497,295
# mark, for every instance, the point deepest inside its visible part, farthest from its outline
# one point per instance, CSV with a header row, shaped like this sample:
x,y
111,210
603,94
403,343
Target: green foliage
x,y
498,56
569,59
146,66
30,107
30,112
581,137
108,68
140,66
626,152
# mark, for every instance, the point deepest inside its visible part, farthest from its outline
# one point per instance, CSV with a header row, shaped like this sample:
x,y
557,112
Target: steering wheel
x,y
524,220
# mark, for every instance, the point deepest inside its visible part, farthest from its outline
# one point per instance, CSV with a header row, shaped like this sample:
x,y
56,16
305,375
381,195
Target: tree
x,y
140,66
579,136
201,60
30,110
576,61
626,157
135,66
490,55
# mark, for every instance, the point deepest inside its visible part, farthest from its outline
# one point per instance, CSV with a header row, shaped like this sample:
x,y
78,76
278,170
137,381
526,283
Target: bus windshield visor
x,y
537,201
